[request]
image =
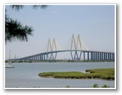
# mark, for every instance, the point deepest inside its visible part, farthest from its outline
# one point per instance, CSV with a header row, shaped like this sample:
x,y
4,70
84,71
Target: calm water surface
x,y
25,75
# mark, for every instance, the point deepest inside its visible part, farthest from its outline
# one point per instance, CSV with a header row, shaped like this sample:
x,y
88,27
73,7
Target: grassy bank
x,y
107,74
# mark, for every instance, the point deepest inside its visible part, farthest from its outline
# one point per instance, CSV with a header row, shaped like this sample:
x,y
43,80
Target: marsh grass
x,y
107,74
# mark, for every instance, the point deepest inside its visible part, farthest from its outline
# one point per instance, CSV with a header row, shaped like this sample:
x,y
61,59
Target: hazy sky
x,y
94,23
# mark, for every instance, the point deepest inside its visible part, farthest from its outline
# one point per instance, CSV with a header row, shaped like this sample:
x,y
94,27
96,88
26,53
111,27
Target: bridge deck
x,y
51,52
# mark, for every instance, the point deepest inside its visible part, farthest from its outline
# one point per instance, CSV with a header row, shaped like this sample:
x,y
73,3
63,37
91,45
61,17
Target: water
x,y
25,75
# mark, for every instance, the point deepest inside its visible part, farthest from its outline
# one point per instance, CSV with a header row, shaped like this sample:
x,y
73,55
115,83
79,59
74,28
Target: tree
x,y
18,7
14,29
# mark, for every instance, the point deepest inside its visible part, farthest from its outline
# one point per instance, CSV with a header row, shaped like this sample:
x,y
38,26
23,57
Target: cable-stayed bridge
x,y
77,51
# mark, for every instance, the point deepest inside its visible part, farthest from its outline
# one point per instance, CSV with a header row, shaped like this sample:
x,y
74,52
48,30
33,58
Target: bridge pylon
x,y
76,48
77,51
50,48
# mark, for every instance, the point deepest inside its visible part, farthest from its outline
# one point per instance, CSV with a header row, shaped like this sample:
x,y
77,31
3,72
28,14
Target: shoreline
x,y
100,73
54,61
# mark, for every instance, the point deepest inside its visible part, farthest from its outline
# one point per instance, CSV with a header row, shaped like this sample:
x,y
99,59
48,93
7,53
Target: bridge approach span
x,y
75,55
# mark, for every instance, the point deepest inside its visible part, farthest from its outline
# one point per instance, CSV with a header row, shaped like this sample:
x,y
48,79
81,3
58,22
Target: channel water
x,y
25,75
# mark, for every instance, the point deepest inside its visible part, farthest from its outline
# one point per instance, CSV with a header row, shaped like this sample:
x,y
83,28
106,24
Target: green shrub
x,y
67,86
95,86
105,86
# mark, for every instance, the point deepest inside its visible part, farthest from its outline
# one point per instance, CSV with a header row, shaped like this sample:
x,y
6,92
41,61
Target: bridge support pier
x,y
88,56
76,55
51,56
84,56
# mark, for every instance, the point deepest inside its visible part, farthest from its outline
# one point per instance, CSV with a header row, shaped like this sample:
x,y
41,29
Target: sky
x,y
94,23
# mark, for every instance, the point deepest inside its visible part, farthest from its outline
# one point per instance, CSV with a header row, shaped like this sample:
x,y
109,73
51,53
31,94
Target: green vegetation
x,y
16,30
104,86
67,86
52,61
18,61
95,86
107,74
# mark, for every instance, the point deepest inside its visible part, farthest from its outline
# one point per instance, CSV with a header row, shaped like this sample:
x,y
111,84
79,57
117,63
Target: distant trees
x,y
14,29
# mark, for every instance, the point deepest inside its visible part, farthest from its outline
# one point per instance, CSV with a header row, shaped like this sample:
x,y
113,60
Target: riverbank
x,y
102,73
51,61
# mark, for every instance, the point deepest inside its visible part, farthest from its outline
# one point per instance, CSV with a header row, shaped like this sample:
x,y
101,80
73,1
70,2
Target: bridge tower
x,y
76,48
50,48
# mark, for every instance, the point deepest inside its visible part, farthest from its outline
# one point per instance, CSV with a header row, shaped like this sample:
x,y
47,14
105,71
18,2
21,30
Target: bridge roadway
x,y
75,55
